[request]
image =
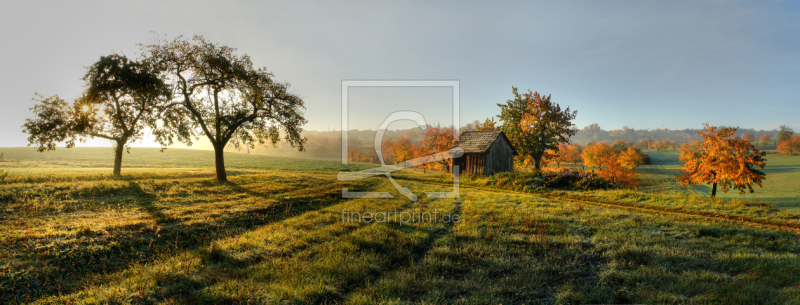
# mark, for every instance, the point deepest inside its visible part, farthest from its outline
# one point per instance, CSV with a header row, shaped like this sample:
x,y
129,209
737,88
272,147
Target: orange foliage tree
x,y
719,159
790,145
397,150
362,155
630,158
748,137
566,154
435,140
765,139
616,167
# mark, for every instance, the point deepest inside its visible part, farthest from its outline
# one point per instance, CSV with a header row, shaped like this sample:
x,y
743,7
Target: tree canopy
x,y
534,124
123,97
719,159
784,134
231,102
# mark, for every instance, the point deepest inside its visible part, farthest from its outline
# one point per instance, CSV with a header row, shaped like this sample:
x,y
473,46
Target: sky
x,y
641,64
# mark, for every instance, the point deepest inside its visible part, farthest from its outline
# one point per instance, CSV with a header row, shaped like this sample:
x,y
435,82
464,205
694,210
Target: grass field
x,y
167,232
781,188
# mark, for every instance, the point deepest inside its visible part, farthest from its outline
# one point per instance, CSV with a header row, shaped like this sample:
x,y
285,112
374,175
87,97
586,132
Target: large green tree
x,y
534,124
121,100
232,103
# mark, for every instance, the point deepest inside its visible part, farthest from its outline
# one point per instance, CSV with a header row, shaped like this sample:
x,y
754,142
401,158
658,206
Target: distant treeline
x,y
328,144
593,133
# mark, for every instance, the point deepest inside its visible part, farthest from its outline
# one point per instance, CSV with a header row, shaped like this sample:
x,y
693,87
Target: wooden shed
x,y
485,153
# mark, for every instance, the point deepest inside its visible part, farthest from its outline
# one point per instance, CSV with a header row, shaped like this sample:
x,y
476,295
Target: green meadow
x,y
278,232
781,189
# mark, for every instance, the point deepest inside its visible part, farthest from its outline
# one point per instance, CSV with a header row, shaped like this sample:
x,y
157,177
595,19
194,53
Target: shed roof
x,y
479,141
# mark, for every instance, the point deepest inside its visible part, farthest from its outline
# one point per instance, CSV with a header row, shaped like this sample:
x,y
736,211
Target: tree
x,y
613,171
562,155
122,99
630,158
594,154
748,137
790,145
361,155
231,102
784,134
534,124
765,139
574,155
619,145
615,166
396,150
718,159
486,125
437,139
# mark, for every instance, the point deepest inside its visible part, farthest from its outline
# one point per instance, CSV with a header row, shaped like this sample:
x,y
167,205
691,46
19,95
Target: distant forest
x,y
328,144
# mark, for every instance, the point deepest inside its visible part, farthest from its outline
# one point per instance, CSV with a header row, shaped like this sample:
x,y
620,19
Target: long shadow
x,y
122,247
418,252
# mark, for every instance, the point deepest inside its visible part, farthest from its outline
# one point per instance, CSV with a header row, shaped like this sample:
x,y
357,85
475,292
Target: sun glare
x,y
85,108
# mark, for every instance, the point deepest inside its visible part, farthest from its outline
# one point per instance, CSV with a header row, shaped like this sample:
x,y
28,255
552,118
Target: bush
x,y
538,182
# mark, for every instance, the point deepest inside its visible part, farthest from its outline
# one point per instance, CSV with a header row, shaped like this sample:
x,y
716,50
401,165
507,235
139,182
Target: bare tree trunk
x,y
537,161
219,158
714,190
118,157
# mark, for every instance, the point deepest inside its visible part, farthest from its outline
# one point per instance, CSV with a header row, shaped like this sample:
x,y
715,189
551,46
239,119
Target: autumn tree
x,y
122,99
594,154
396,150
630,158
748,137
574,155
720,160
790,145
362,155
486,125
784,134
613,171
534,124
615,166
232,102
765,139
435,140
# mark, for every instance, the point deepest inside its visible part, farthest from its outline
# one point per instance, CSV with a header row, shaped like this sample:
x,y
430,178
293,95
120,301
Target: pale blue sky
x,y
644,64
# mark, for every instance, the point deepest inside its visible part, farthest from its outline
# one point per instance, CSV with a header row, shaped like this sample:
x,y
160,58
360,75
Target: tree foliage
x,y
535,124
790,145
122,98
721,160
230,101
784,134
434,140
616,166
489,124
765,139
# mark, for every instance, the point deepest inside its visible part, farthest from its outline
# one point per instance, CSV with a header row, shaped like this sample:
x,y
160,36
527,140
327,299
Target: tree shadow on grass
x,y
65,269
